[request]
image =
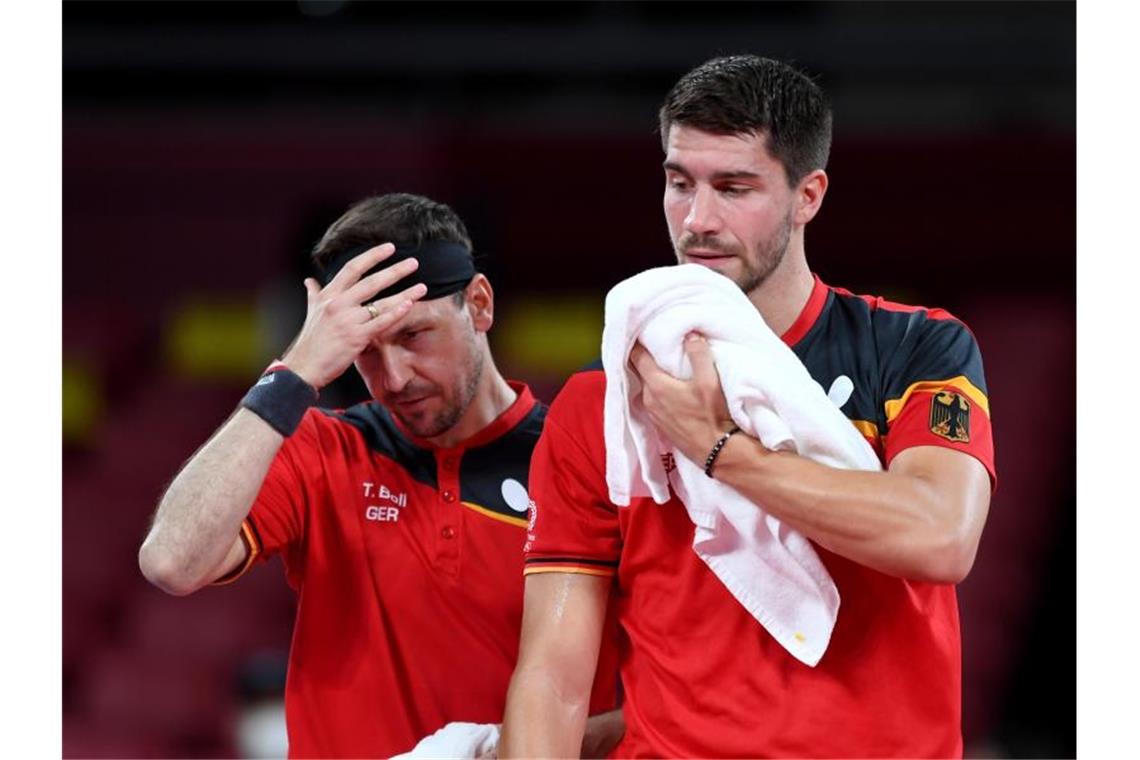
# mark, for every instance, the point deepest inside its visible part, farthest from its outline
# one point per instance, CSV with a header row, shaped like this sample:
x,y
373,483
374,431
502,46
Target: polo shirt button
x,y
449,463
449,496
447,532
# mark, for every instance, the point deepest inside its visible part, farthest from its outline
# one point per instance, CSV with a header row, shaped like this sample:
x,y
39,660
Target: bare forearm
x,y
541,721
899,525
200,514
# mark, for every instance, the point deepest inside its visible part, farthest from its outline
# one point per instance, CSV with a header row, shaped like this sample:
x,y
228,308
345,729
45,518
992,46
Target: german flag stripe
x,y
959,383
520,522
604,572
571,561
252,549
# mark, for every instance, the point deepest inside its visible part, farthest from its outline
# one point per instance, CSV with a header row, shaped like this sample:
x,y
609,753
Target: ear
x,y
809,196
480,302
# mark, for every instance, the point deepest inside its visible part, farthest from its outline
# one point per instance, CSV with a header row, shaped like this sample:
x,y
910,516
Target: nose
x,y
703,217
395,369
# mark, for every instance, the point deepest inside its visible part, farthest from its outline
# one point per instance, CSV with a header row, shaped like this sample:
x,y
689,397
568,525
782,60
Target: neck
x,y
492,397
785,292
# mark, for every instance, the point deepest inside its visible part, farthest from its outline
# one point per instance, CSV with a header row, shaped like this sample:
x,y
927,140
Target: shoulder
x,y
367,421
530,426
368,417
916,344
900,331
582,396
893,320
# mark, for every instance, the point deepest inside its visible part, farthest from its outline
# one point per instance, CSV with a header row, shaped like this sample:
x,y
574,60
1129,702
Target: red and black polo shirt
x,y
407,563
701,677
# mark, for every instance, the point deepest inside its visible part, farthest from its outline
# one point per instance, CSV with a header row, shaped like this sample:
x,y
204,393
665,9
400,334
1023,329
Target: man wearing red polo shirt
x,y
401,520
746,141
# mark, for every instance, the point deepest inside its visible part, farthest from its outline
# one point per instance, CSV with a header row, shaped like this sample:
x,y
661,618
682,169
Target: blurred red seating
x,y
87,738
155,701
215,627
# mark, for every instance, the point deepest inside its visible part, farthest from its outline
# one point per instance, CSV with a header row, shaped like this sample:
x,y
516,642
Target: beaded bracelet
x,y
711,459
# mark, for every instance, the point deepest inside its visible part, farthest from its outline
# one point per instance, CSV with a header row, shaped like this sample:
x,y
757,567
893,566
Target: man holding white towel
x,y
746,142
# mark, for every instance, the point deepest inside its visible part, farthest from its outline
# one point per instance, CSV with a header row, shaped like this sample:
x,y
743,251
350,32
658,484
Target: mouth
x,y
706,257
410,403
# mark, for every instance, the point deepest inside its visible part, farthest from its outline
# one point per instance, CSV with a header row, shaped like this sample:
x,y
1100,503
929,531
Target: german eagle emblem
x,y
950,416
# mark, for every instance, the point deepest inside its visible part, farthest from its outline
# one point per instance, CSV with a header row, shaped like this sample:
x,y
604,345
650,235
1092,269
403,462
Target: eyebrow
x,y
723,175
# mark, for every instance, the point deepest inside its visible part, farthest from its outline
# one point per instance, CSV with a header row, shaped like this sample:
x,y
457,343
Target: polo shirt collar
x,y
808,316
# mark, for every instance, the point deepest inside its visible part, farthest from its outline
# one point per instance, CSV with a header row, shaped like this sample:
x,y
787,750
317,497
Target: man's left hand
x,y
692,414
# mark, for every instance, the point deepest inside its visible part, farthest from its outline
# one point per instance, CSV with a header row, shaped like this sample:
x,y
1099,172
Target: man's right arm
x,y
549,697
194,539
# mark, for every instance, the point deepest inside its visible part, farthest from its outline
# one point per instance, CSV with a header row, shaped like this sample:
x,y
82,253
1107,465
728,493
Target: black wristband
x,y
710,460
280,398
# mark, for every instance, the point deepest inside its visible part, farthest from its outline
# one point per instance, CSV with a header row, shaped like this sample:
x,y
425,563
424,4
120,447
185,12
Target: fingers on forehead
x,y
393,273
369,286
360,264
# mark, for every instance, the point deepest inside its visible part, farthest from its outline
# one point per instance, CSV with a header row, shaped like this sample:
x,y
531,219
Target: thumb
x,y
311,288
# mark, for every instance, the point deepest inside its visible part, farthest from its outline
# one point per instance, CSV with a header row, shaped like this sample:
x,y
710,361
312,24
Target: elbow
x,y
946,571
951,560
160,569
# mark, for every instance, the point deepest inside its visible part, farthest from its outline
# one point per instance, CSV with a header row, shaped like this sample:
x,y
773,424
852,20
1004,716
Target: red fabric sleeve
x,y
573,526
276,521
938,396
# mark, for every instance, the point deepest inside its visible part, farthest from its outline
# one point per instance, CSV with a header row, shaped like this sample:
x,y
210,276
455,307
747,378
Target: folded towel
x,y
457,740
772,570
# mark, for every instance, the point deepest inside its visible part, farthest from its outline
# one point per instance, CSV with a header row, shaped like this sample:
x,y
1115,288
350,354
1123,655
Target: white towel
x,y
457,740
772,570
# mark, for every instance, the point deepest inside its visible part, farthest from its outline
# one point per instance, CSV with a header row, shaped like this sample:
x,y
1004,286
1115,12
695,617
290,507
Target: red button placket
x,y
448,511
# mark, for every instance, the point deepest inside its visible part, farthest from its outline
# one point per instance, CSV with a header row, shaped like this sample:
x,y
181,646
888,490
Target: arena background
x,y
206,145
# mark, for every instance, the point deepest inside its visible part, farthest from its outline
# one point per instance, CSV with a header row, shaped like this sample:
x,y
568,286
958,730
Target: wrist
x,y
743,457
280,398
298,366
713,455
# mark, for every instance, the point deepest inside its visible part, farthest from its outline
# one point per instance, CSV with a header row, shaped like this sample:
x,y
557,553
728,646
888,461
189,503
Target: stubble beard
x,y
768,255
462,391
755,269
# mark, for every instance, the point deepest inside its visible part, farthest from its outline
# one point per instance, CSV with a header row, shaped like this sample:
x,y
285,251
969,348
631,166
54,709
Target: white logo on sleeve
x,y
515,495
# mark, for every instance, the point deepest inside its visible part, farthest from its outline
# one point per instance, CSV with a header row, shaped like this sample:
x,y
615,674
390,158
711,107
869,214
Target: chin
x,y
430,426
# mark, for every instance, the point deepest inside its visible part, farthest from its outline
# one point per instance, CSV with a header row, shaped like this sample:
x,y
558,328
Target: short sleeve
x,y
573,526
936,392
275,524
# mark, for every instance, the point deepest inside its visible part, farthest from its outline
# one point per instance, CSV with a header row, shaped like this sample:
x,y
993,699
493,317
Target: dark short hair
x,y
401,218
749,94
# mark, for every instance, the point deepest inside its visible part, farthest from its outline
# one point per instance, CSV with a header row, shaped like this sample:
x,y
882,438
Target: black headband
x,y
445,267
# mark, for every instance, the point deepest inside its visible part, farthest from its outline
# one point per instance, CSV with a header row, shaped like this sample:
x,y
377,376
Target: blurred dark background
x,y
207,145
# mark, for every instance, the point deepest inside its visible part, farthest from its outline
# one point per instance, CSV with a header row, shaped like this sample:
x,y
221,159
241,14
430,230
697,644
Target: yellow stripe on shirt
x,y
573,569
252,550
867,428
520,522
961,382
